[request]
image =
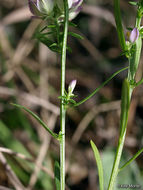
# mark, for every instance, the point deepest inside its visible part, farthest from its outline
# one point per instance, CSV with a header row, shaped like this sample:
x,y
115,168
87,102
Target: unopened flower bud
x,y
134,35
72,86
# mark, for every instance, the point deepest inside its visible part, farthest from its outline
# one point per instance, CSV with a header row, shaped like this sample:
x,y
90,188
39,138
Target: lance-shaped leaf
x,y
99,165
78,36
38,119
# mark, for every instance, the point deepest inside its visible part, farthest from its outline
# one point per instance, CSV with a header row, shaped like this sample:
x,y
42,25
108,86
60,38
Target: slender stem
x,y
134,61
62,107
132,159
115,169
98,88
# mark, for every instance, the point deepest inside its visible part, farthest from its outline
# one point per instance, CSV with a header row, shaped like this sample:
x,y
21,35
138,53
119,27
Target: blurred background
x,y
30,76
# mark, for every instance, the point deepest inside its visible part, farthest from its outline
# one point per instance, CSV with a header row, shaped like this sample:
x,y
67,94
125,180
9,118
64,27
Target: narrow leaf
x,y
38,119
57,175
131,159
119,25
99,165
52,26
76,35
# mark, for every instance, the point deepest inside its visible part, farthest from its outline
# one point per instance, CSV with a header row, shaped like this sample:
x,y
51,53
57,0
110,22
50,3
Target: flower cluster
x,y
42,8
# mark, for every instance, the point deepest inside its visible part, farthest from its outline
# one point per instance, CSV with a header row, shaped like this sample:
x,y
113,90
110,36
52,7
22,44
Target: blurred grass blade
x,y
37,118
99,164
131,159
57,175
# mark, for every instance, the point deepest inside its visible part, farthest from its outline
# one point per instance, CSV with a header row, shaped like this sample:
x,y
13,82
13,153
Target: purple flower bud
x,y
41,7
134,35
72,86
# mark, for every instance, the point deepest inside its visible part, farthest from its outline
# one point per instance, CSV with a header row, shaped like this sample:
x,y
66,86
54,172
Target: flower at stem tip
x,y
72,87
134,35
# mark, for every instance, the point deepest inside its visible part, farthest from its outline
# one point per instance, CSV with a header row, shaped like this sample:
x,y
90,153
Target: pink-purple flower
x,y
72,86
41,8
134,35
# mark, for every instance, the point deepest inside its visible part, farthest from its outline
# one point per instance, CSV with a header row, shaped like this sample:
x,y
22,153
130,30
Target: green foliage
x,y
131,159
99,165
38,119
98,88
78,36
131,175
48,42
68,99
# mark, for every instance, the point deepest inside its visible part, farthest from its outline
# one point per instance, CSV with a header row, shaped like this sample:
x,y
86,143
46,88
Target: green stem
x,y
98,88
132,159
62,107
126,98
126,94
115,169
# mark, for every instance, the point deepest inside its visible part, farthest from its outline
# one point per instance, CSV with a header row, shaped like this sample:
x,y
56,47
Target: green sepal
x,y
73,102
57,175
99,165
56,136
